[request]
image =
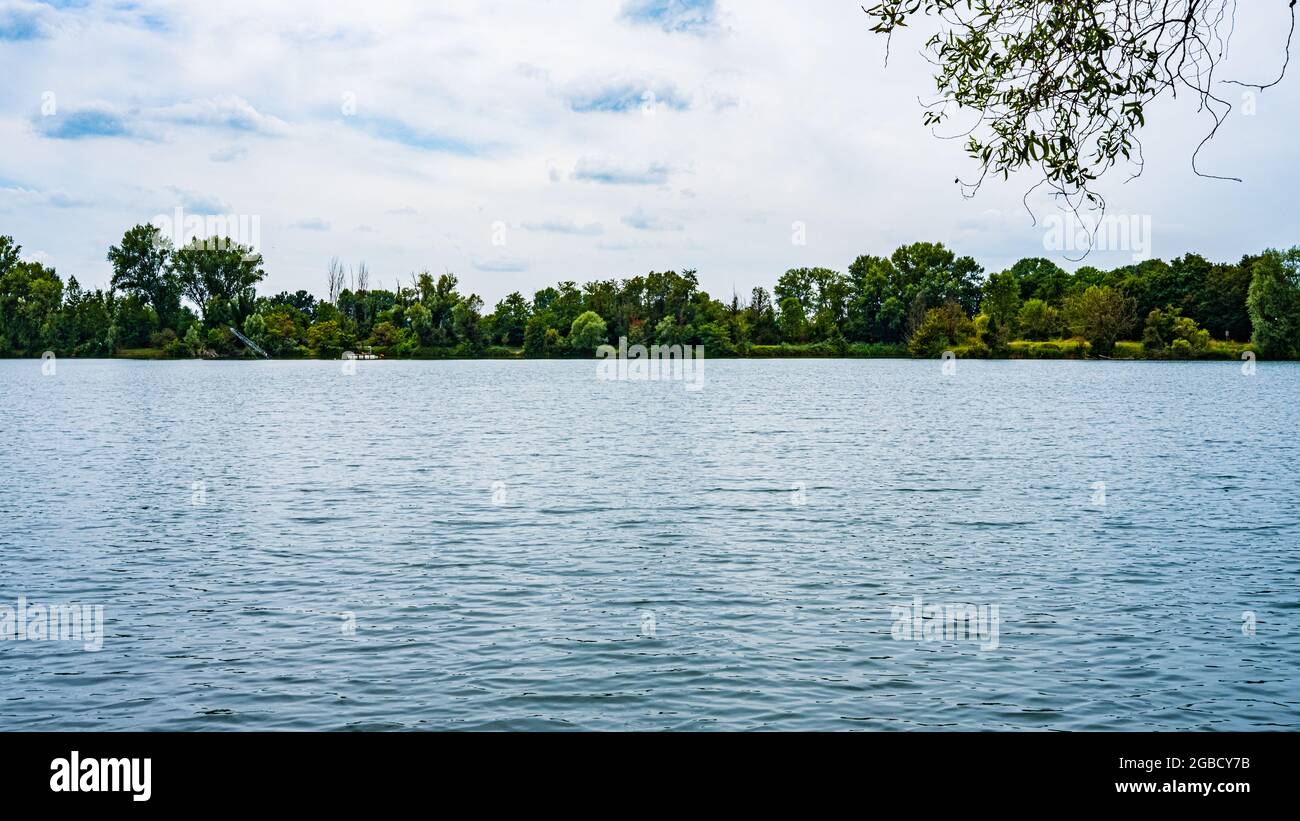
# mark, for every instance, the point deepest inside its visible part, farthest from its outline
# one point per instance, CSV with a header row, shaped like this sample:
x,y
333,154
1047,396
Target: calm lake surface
x,y
517,545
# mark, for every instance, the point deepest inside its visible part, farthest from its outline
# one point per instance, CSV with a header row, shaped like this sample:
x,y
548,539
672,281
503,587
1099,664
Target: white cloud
x,y
12,197
501,265
643,221
230,153
589,229
227,111
197,202
610,171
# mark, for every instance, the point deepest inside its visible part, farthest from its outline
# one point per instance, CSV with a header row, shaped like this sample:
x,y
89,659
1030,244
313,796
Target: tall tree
x,y
30,297
1041,278
215,272
510,319
889,298
761,317
10,253
1001,299
140,268
1221,304
1274,303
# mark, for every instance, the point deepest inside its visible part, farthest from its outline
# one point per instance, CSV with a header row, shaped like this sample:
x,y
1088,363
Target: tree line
x,y
921,300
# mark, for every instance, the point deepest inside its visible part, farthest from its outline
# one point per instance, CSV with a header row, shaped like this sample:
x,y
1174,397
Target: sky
x,y
519,144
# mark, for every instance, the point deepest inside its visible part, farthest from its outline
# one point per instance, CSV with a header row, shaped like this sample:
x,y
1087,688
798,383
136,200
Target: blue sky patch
x,y
673,15
78,125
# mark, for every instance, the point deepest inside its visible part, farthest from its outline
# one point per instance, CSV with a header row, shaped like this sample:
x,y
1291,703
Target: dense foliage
x,y
923,299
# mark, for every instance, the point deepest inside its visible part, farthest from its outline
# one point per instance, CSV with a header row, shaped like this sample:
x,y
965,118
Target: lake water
x,y
517,545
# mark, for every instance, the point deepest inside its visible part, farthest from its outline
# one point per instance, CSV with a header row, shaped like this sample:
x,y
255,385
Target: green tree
x,y
510,318
792,320
467,323
194,340
1001,302
30,298
1221,303
821,295
558,307
135,321
888,299
669,332
797,290
1101,315
385,335
1274,303
1189,340
942,328
329,339
1038,320
421,319
1165,332
877,305
83,323
10,253
1041,278
535,338
255,329
140,267
760,317
1157,332
587,333
216,271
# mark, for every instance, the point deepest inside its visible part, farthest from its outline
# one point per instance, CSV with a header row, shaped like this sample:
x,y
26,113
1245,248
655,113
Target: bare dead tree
x,y
335,275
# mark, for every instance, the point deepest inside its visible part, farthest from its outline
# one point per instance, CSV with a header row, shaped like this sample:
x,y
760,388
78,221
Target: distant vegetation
x,y
921,300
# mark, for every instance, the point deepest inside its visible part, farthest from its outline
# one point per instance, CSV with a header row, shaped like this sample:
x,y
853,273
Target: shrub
x,y
1038,320
328,339
1101,315
161,339
177,349
942,329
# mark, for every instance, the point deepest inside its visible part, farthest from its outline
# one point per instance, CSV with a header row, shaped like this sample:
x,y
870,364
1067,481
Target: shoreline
x,y
762,358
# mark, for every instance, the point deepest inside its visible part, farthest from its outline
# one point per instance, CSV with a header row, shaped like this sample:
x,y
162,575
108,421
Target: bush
x,y
1101,315
1038,320
193,341
384,335
328,339
161,339
1165,330
942,329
